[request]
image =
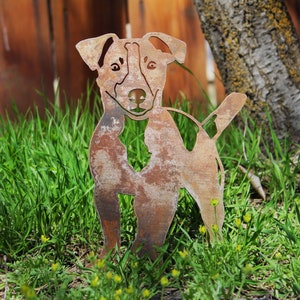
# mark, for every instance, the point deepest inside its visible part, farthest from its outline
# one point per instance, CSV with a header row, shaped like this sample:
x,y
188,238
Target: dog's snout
x,y
137,96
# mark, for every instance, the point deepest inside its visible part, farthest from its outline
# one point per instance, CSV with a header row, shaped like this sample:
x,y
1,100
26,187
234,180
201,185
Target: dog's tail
x,y
225,112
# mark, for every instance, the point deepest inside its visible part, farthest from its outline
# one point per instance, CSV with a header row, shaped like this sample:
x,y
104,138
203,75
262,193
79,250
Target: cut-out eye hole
x,y
151,65
115,67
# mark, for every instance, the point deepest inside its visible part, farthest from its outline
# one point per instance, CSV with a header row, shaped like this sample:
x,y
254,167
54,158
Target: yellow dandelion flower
x,y
28,292
164,281
238,222
278,255
95,281
109,275
214,202
129,290
24,289
54,267
215,228
175,273
118,292
100,263
183,254
117,278
238,248
145,293
247,217
91,256
44,238
202,229
215,276
248,269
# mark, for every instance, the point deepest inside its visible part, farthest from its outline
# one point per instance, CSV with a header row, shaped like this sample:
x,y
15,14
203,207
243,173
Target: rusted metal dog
x,y
131,77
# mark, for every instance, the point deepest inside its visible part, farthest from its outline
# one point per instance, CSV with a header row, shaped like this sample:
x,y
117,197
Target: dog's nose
x,y
137,96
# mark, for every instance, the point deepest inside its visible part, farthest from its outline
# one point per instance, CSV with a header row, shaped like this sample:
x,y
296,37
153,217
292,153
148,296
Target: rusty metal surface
x,y
131,77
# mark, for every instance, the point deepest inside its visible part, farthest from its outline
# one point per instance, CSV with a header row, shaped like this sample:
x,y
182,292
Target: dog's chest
x,y
155,141
162,136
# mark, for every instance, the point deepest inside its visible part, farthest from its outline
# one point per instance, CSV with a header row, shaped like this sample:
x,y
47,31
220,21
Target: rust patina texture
x,y
131,77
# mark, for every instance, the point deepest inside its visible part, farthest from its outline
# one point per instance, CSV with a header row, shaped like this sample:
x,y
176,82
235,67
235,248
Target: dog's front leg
x,y
108,208
154,207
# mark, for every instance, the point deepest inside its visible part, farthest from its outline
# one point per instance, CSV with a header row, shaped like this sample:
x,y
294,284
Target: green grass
x,y
50,234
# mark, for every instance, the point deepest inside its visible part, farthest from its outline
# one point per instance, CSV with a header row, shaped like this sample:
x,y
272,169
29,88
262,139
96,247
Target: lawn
x,y
50,234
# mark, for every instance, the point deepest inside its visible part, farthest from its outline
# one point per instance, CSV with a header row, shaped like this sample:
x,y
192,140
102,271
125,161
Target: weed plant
x,y
50,234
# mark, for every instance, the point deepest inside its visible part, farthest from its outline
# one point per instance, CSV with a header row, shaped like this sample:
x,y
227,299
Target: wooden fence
x,y
37,40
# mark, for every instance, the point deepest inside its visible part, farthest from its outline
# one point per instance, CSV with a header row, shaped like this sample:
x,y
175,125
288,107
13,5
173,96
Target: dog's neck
x,y
112,120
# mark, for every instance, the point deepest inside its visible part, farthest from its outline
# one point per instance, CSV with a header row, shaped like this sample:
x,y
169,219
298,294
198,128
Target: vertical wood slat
x,y
179,19
25,55
293,7
75,20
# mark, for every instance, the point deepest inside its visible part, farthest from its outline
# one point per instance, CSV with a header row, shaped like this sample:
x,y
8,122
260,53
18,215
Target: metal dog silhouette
x,y
131,78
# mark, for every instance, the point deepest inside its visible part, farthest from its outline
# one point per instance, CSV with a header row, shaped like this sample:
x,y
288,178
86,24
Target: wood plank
x,y
293,7
179,19
75,20
25,56
219,86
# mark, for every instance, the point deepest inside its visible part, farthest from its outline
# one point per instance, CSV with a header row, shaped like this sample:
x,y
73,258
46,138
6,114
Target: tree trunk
x,y
257,52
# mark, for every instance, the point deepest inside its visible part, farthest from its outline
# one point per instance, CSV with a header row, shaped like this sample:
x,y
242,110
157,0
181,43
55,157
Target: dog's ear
x,y
177,47
91,49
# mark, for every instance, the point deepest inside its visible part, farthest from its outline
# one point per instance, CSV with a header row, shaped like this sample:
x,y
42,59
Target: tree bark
x,y
257,52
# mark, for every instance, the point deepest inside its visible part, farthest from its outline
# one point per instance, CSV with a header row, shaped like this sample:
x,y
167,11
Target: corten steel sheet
x,y
131,77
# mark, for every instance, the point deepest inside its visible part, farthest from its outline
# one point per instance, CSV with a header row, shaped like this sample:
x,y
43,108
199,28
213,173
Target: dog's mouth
x,y
137,111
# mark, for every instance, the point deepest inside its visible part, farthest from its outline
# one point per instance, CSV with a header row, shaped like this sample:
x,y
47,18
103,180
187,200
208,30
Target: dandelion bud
x,y
247,217
54,267
183,254
164,281
95,281
214,202
215,228
117,278
237,222
44,238
145,293
202,229
175,273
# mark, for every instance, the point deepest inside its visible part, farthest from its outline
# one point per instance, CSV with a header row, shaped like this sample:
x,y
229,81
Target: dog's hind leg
x,y
203,177
211,207
108,208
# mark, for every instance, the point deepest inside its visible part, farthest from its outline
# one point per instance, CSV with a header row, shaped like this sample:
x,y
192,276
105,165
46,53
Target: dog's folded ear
x,y
91,49
176,46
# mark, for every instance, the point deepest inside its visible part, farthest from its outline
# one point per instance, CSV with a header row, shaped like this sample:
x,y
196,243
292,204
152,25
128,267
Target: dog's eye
x,y
115,67
151,65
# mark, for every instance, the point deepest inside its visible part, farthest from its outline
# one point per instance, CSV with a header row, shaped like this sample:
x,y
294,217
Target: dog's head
x,y
132,72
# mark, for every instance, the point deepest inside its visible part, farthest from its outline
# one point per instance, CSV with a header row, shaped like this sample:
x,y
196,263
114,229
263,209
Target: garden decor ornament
x,y
131,78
